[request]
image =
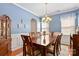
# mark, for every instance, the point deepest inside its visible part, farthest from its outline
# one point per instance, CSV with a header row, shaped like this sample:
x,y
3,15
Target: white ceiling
x,y
52,8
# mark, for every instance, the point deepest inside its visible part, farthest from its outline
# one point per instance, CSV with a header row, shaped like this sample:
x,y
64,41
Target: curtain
x,y
68,23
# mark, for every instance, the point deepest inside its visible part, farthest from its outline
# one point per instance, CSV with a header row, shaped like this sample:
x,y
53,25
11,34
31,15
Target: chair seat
x,y
36,52
50,49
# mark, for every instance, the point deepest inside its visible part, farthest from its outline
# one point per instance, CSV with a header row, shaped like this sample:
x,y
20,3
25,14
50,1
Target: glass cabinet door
x,y
1,28
4,29
8,28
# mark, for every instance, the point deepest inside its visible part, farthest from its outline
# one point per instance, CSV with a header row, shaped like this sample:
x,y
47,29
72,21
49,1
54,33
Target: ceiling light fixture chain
x,y
46,18
46,8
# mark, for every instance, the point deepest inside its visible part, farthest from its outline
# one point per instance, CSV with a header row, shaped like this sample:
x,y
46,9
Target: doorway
x,y
33,25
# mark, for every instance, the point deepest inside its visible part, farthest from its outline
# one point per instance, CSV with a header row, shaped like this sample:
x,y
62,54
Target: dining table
x,y
43,41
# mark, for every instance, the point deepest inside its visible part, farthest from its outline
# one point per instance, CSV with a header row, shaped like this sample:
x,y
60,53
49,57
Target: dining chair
x,y
26,44
53,47
38,34
31,49
59,44
71,41
32,35
76,44
52,33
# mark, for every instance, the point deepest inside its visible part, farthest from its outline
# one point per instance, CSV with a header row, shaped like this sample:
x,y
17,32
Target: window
x,y
68,24
45,27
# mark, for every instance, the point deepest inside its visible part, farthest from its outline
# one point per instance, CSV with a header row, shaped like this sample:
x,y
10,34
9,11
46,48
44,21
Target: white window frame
x,y
68,24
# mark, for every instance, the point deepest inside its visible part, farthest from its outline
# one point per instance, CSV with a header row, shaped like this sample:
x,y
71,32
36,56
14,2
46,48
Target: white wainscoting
x,y
65,39
16,41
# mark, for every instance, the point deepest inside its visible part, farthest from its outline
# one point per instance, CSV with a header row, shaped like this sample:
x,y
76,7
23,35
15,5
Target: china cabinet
x,y
5,35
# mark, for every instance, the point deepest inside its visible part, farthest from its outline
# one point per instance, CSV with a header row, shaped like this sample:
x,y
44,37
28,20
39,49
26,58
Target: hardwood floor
x,y
14,53
70,52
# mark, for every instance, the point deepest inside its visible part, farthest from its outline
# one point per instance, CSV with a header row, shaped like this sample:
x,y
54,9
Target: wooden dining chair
x,y
26,45
32,35
71,41
53,47
59,41
31,49
76,44
38,34
58,49
35,49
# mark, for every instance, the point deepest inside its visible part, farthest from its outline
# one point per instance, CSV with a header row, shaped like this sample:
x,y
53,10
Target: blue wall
x,y
16,13
55,24
78,18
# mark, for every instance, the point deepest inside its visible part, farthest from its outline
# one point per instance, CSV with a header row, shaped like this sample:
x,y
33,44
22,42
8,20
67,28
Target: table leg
x,y
44,51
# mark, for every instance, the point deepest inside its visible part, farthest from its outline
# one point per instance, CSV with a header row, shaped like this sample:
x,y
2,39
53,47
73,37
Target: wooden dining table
x,y
43,41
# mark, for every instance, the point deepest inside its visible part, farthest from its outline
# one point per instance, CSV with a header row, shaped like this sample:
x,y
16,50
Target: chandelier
x,y
46,18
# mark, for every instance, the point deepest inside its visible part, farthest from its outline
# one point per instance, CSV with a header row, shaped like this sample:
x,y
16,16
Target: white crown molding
x,y
25,9
50,14
63,11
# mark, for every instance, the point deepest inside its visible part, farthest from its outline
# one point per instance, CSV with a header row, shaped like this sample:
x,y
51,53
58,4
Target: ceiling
x,y
52,8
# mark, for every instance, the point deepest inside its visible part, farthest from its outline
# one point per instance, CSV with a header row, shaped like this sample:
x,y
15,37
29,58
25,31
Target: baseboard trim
x,y
15,52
